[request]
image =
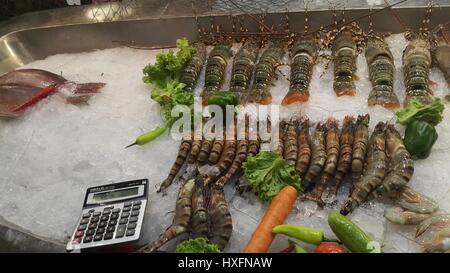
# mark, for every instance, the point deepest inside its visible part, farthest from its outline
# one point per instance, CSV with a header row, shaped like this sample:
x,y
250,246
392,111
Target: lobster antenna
x,y
397,16
371,31
287,27
199,27
251,16
306,18
424,29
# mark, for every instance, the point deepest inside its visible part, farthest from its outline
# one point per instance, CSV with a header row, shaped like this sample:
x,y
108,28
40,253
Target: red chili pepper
x,y
329,248
36,97
288,249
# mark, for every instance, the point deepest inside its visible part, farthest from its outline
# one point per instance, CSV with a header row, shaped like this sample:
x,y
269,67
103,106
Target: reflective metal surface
x,y
151,23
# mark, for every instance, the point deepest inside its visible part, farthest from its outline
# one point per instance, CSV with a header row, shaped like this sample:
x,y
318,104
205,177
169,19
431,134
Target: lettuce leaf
x,y
197,245
267,173
169,65
416,110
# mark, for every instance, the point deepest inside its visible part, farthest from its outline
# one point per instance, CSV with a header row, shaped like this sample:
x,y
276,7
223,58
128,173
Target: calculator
x,y
112,214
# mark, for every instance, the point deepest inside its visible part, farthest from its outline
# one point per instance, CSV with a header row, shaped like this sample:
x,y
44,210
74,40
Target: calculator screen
x,y
115,194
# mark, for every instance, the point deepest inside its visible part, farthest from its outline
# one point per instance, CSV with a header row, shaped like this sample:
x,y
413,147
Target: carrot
x,y
275,215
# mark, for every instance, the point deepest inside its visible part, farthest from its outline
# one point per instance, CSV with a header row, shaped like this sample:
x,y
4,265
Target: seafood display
x,y
298,149
23,88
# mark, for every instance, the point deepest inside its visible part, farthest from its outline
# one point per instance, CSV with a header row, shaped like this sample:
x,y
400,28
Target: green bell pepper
x,y
223,98
420,137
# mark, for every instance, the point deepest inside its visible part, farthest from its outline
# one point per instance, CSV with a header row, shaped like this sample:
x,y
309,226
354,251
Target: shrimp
x,y
304,148
199,221
181,220
401,166
183,152
375,172
345,153
221,223
361,142
241,154
332,156
319,155
290,143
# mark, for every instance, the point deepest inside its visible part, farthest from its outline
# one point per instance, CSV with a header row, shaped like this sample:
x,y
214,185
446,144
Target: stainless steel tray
x,y
151,24
157,23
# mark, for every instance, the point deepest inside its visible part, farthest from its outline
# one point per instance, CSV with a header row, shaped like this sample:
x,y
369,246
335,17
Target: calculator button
x,y
135,213
123,221
76,240
104,218
133,219
79,234
116,211
86,215
87,239
120,231
130,232
102,224
100,231
125,215
98,237
136,207
126,209
114,216
108,236
81,227
112,223
84,221
131,225
127,204
106,212
93,225
110,229
97,213
90,232
95,219
137,202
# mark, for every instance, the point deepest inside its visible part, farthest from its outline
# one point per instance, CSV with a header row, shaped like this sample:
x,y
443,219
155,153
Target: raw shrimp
x,y
304,147
401,166
375,172
332,156
181,220
318,156
345,153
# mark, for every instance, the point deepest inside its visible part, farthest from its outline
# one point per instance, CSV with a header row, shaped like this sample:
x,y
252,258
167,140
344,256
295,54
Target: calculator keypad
x,y
109,223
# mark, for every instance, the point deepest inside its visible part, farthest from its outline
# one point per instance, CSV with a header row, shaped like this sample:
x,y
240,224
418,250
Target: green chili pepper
x,y
149,136
353,237
223,98
420,137
305,234
297,247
